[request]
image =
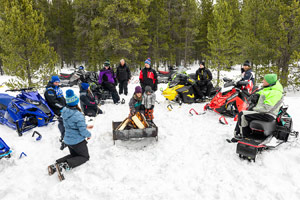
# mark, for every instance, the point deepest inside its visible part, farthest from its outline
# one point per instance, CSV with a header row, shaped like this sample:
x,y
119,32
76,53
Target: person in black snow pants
x,y
123,77
75,136
148,76
56,101
203,85
89,104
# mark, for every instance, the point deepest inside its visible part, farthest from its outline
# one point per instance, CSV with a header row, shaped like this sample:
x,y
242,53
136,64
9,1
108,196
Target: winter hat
x,y
148,61
271,78
85,86
148,89
247,63
138,89
55,79
81,67
106,63
202,63
71,98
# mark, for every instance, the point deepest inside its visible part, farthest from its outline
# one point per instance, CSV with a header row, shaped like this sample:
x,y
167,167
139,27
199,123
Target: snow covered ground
x,y
191,160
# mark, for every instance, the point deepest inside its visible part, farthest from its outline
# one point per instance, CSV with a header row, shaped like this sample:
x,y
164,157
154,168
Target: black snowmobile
x,y
266,135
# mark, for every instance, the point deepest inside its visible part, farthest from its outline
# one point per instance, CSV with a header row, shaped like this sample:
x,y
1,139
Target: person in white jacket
x,y
148,102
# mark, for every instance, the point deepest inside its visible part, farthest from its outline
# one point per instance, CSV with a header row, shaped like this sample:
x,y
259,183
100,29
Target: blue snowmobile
x,y
4,149
25,111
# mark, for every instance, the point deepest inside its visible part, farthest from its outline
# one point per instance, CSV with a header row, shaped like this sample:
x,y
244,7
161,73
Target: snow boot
x,y
59,168
51,169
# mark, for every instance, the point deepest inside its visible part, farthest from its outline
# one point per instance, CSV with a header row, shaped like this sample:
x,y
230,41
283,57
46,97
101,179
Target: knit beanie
x,y
148,61
138,89
55,79
85,86
247,63
271,78
71,98
106,63
148,89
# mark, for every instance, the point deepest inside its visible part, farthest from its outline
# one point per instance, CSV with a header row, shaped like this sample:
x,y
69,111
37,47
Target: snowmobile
x,y
266,135
69,80
232,98
25,111
165,76
4,150
181,89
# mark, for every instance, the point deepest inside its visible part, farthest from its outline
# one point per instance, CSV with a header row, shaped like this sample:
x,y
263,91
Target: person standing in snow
x,y
266,109
56,101
123,76
75,136
148,76
108,80
148,103
247,74
135,103
88,102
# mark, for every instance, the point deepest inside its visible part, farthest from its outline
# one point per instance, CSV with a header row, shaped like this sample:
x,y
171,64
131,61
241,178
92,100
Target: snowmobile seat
x,y
242,83
267,127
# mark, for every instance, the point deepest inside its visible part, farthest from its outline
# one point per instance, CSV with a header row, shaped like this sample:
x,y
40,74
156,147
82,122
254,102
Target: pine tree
x,y
222,38
27,54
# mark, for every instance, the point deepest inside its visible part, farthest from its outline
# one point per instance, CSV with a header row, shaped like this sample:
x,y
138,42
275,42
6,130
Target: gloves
x,y
152,107
142,107
254,98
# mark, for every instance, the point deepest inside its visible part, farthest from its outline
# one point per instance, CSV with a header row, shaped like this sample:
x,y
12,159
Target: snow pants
x,y
244,119
79,154
123,85
112,88
149,114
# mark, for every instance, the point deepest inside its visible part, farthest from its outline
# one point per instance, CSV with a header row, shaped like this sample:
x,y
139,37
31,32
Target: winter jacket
x,y
107,75
203,76
248,75
75,126
88,103
54,97
135,104
123,73
148,76
270,99
148,100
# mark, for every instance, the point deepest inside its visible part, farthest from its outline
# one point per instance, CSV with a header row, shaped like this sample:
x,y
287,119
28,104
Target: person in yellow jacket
x,y
266,109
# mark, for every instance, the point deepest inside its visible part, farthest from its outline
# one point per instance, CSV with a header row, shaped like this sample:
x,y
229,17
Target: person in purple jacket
x,y
108,80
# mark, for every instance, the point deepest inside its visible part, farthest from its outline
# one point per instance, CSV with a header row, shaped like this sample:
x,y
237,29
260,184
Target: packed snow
x,y
190,160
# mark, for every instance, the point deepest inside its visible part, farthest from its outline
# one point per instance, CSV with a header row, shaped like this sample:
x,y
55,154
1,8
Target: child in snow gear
x,y
148,76
148,102
203,84
108,80
247,73
123,76
56,101
135,103
88,102
266,109
75,135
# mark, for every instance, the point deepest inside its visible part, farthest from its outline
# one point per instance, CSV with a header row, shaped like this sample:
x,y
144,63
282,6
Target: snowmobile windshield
x,y
178,79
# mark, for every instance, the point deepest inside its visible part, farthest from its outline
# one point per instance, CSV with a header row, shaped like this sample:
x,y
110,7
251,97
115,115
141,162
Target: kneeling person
x,y
88,102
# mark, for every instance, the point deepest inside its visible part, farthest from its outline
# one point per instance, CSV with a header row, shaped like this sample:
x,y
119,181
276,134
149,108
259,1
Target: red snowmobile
x,y
232,98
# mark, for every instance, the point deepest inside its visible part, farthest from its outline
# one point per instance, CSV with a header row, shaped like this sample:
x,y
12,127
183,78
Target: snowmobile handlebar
x,y
19,90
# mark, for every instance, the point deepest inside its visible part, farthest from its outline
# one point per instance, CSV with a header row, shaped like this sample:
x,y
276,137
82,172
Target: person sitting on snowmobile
x,y
88,102
148,76
247,74
148,103
123,76
108,80
76,133
203,85
266,109
135,103
56,101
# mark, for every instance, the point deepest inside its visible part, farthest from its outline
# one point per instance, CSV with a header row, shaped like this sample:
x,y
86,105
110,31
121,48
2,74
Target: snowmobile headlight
x,y
33,102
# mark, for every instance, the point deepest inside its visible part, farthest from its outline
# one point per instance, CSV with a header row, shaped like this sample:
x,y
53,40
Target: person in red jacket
x,y
148,76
